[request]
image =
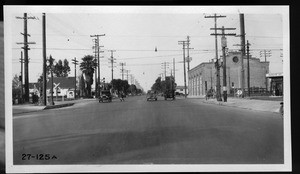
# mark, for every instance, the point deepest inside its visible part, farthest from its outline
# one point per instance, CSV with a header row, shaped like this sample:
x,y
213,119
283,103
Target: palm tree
x,y
87,66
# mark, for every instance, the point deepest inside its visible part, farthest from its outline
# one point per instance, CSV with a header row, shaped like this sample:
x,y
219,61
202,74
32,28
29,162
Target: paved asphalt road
x,y
184,131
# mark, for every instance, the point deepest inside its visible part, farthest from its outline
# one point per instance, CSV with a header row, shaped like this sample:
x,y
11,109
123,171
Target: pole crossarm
x,y
222,28
74,61
242,45
215,16
227,34
25,43
24,34
97,35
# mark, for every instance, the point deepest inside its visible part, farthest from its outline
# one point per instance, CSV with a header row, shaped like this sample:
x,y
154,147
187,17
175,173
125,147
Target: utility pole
x,y
26,59
265,53
174,68
248,68
242,45
44,61
127,71
131,78
224,45
211,78
183,43
95,58
111,59
122,64
21,79
189,59
75,62
97,55
51,60
165,66
218,91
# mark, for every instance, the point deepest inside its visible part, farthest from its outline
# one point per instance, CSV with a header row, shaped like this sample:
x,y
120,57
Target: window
x,y
235,59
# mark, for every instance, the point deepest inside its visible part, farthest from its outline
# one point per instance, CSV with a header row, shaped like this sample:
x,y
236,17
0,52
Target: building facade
x,y
276,83
203,77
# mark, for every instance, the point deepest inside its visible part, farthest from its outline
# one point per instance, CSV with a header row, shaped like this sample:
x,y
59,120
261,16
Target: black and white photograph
x,y
147,89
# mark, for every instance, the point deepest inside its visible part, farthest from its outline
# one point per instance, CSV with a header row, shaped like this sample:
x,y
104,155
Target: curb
x,y
59,106
46,107
222,104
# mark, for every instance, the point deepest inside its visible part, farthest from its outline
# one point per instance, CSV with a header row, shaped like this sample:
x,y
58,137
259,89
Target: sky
x,y
135,34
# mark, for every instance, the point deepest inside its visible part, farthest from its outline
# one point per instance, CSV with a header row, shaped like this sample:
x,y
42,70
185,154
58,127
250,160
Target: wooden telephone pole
x,y
26,59
224,45
183,43
218,91
122,64
75,62
97,57
112,61
21,79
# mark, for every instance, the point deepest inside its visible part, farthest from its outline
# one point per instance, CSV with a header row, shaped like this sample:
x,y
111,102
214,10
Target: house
x,y
62,87
34,88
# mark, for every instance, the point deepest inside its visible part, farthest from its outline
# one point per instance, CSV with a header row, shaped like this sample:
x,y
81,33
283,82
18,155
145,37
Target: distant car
x,y
169,94
105,96
151,95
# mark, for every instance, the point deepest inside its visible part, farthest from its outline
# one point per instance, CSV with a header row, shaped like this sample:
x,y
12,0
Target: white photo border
x,y
11,168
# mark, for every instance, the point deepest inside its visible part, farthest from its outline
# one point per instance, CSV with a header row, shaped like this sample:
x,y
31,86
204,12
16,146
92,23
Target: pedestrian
x,y
121,96
281,109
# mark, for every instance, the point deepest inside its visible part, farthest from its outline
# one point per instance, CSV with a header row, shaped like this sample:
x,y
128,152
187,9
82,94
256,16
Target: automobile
x,y
105,95
169,94
151,95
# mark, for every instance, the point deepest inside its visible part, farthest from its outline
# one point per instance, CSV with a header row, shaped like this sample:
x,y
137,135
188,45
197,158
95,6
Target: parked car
x,y
105,96
169,94
151,95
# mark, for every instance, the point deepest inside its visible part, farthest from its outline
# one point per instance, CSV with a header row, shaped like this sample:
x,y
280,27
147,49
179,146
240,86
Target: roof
x,y
62,82
270,75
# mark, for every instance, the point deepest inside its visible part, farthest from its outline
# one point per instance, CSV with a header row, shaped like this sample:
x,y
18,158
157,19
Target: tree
x,y
50,65
120,85
66,68
82,86
87,66
132,89
158,85
62,69
58,68
16,87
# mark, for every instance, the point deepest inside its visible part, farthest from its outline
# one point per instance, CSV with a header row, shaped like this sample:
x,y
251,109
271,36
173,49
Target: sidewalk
x,y
253,104
18,109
